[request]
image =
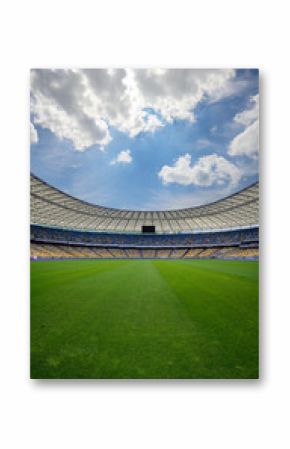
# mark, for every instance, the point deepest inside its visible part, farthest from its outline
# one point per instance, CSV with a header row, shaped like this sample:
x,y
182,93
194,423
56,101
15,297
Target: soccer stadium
x,y
65,227
144,223
138,294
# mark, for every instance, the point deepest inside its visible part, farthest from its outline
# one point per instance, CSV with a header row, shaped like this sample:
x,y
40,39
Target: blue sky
x,y
145,139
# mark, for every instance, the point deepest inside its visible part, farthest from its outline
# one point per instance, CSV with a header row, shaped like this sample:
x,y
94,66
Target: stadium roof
x,y
51,207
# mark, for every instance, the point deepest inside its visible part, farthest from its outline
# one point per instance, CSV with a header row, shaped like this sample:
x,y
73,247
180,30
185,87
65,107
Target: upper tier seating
x,y
53,208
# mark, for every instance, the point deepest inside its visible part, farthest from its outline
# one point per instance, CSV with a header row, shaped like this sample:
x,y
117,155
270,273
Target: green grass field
x,y
156,319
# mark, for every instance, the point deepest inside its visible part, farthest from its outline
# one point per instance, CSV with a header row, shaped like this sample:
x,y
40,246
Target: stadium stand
x,y
66,227
51,207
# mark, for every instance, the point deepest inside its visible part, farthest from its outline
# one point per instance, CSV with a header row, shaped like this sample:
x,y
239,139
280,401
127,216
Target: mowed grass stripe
x,y
139,319
59,272
241,268
226,308
143,322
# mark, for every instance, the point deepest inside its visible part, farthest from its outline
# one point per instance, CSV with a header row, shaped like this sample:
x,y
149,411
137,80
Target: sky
x,y
145,139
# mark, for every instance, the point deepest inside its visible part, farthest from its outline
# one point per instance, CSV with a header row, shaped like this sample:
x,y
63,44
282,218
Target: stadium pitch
x,y
144,319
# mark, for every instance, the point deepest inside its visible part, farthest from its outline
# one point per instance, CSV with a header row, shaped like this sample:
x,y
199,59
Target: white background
x,y
128,415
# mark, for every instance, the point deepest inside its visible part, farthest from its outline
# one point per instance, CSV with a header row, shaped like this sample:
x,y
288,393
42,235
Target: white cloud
x,y
175,93
246,143
59,101
81,105
207,171
151,123
249,115
123,157
33,134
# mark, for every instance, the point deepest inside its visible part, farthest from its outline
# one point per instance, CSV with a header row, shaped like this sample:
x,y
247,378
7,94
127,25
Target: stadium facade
x,y
65,227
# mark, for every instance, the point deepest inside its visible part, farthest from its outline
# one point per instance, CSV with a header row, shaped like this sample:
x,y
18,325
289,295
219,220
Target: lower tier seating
x,y
58,251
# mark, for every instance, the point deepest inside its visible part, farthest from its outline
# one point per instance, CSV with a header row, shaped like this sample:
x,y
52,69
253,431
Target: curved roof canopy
x,y
51,207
